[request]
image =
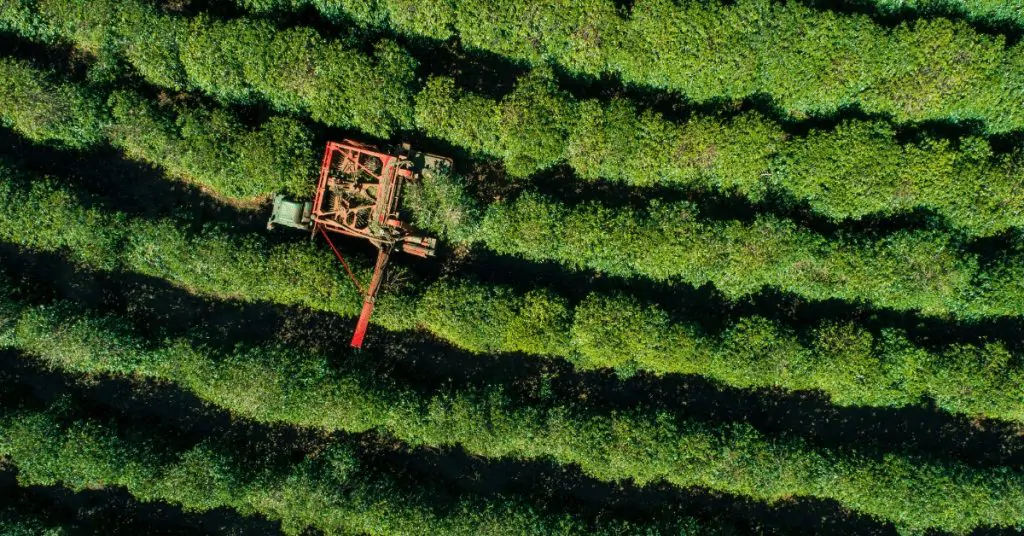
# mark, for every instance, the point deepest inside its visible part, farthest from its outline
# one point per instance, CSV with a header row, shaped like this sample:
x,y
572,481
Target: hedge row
x,y
208,146
670,242
245,61
330,490
212,260
212,148
853,366
859,169
809,62
1003,12
302,387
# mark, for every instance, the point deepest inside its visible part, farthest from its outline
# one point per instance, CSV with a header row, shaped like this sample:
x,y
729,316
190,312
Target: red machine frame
x,y
358,195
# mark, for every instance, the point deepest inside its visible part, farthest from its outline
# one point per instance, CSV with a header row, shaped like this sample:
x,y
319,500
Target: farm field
x,y
748,267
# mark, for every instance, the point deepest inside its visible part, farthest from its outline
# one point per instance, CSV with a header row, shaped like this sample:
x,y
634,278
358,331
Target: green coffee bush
x,y
860,169
212,148
45,110
46,217
206,146
527,133
668,242
988,11
488,319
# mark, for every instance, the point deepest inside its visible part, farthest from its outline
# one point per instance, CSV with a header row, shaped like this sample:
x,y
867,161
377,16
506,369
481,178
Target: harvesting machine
x,y
358,195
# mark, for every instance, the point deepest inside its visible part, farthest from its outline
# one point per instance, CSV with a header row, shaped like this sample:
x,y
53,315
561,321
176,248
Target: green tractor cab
x,y
291,214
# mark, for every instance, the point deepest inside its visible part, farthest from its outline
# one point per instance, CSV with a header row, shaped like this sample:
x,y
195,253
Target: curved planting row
x,y
850,364
207,146
808,61
213,149
242,61
669,242
279,384
330,490
46,111
859,169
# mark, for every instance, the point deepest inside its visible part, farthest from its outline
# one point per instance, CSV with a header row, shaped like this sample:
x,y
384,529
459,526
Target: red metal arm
x,y
371,297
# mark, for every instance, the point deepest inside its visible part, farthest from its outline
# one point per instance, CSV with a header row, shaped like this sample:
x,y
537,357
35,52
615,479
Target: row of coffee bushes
x,y
244,61
858,169
673,242
206,145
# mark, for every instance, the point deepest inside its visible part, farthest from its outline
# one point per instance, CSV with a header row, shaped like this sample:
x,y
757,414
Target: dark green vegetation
x,y
855,170
844,190
207,146
326,490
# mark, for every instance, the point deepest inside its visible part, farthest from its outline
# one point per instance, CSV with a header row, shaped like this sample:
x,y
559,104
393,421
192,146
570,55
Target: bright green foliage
x,y
600,141
48,218
859,170
856,170
47,111
212,148
278,384
23,17
809,61
329,490
207,146
908,270
852,366
297,70
245,61
640,148
527,130
489,319
442,204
